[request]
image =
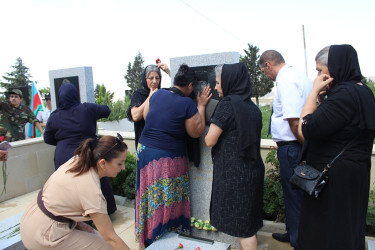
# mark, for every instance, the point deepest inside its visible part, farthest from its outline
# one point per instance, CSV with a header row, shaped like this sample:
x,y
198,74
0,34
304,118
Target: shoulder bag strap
x,y
329,165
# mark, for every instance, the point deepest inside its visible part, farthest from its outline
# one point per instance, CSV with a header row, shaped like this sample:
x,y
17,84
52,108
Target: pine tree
x,y
134,74
19,77
96,91
261,84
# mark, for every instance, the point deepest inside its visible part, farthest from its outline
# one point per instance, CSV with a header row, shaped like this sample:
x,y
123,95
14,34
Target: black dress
x,y
337,219
237,188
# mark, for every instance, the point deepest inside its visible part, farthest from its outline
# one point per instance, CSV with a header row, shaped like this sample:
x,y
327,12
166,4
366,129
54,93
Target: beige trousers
x,y
40,232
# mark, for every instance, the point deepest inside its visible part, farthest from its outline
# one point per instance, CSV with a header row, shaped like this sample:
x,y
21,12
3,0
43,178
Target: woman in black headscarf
x,y
238,175
337,218
151,81
162,184
72,123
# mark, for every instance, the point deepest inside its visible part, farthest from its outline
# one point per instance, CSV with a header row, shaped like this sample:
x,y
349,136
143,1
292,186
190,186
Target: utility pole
x,y
304,46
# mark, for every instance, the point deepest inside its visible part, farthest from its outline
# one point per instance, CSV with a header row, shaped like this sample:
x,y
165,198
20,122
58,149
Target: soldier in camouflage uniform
x,y
14,116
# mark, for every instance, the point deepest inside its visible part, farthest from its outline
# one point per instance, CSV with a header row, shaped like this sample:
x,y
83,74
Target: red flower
x,y
180,246
198,248
2,138
158,61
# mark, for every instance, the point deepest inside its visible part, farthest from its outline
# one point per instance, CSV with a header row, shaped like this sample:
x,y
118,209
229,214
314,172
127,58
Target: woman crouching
x,y
72,195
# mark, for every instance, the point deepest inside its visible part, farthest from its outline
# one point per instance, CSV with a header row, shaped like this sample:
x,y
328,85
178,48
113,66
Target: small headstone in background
x,y
81,77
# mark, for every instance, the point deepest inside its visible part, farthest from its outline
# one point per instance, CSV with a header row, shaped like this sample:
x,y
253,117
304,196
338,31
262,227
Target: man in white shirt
x,y
292,89
43,115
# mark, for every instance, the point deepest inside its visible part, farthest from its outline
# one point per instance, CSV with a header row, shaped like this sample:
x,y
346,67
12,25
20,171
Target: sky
x,y
108,34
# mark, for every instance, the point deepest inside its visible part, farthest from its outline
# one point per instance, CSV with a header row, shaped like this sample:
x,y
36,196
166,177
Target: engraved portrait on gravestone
x,y
60,81
206,77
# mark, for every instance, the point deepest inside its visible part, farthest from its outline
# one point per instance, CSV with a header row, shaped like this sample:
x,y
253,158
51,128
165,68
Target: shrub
x,y
370,218
266,113
118,108
124,183
273,202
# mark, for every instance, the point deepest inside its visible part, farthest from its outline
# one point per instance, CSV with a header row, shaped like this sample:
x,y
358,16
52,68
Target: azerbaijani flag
x,y
35,106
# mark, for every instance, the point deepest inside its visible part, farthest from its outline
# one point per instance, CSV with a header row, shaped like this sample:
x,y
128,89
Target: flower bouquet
x,y
4,145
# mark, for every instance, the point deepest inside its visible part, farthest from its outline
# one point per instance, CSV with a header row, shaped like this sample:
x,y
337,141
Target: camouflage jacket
x,y
13,121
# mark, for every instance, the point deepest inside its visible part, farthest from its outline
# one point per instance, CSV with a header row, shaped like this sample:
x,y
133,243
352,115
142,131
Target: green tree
x,y
96,91
118,111
370,83
19,77
261,84
44,90
127,101
133,74
104,97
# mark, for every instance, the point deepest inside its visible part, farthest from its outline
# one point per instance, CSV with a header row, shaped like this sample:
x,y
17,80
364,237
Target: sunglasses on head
x,y
118,142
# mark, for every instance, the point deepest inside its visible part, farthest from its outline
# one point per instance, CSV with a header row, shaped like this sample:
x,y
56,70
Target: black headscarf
x,y
138,98
235,80
68,96
343,66
236,86
140,95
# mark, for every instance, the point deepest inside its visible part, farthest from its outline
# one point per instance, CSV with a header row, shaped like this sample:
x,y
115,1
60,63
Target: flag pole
x,y
304,47
39,94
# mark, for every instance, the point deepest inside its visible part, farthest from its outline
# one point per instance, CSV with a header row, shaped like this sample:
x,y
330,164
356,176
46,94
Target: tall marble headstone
x,y
81,77
201,177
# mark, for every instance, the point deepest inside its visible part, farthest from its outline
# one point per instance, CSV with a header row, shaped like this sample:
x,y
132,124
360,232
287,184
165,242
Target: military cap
x,y
17,92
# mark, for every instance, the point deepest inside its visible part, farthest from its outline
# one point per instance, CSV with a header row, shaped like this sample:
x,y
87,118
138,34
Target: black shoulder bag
x,y
312,180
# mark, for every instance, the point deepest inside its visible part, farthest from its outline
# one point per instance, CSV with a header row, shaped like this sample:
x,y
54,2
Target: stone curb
x,y
273,227
120,200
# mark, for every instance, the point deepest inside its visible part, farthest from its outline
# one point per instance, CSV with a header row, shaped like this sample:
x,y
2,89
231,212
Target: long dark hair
x,y
91,151
184,76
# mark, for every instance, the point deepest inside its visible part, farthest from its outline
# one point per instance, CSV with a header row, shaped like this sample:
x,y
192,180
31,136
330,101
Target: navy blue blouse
x,y
70,125
165,121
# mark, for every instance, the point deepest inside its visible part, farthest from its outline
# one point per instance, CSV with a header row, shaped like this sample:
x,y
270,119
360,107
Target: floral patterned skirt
x,y
162,194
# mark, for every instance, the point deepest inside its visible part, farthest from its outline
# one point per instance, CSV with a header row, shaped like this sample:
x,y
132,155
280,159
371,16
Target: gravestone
x,y
172,240
201,178
81,77
370,244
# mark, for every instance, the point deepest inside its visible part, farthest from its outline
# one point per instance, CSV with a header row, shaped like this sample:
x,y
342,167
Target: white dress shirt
x,y
292,89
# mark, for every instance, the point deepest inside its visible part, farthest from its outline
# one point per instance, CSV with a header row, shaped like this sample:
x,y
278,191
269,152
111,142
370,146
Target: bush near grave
x,y
273,201
124,183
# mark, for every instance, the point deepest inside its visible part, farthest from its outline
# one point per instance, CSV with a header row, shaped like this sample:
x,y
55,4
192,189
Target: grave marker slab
x,y
81,77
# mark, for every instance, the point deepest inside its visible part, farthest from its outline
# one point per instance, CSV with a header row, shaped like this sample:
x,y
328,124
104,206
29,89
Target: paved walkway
x,y
123,222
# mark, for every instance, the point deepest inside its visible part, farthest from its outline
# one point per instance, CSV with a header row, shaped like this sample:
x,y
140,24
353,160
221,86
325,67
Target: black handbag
x,y
311,180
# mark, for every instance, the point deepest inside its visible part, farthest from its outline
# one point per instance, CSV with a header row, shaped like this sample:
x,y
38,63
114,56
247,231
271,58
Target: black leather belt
x,y
49,214
283,143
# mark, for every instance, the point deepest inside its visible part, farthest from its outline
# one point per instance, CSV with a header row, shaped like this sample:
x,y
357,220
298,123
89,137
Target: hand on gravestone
x,y
204,96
